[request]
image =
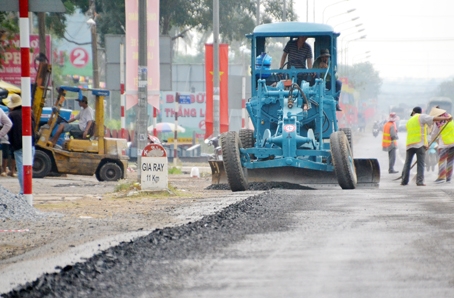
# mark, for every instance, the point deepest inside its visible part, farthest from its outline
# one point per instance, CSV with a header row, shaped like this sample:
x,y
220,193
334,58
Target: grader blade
x,y
218,175
367,172
292,175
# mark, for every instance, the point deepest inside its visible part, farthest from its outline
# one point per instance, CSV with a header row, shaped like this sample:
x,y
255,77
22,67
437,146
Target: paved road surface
x,y
394,241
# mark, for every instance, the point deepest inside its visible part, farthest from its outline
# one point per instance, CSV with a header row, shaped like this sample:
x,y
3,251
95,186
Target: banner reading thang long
x,y
224,88
132,52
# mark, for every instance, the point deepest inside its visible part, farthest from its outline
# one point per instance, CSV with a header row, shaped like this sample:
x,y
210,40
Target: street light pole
x,y
284,11
342,47
365,55
348,11
323,14
307,11
356,26
346,48
348,21
216,87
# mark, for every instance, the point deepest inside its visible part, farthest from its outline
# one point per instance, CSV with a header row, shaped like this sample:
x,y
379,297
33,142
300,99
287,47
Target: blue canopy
x,y
286,29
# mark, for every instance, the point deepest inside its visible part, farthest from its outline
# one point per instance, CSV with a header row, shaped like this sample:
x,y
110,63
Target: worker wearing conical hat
x,y
445,145
417,143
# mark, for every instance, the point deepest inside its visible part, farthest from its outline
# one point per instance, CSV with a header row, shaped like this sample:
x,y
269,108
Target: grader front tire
x,y
343,161
236,175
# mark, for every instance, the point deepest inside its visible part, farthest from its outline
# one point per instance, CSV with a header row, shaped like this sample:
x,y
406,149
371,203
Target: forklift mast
x,y
39,91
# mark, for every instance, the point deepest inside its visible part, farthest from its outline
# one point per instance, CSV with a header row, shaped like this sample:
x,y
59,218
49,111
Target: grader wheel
x,y
348,133
342,156
236,175
247,139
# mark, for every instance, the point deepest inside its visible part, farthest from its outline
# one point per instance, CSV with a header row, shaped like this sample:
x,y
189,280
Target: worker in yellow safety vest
x,y
445,145
389,141
417,143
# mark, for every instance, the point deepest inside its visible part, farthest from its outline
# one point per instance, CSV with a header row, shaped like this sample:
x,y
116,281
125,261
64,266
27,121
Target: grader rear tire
x,y
247,139
236,175
344,165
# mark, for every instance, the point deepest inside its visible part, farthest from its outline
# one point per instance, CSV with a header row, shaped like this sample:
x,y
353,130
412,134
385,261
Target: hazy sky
x,y
404,38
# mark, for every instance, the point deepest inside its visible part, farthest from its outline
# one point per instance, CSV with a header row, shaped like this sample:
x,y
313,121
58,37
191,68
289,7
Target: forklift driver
x,y
85,118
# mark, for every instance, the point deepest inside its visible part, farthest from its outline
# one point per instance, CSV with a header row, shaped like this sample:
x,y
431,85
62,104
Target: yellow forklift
x,y
104,157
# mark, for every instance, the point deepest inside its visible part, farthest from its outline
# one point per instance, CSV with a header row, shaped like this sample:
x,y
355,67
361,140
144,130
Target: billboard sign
x,y
11,64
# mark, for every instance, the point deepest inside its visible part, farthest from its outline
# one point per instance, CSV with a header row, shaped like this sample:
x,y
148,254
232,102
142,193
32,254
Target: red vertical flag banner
x,y
132,53
224,88
209,90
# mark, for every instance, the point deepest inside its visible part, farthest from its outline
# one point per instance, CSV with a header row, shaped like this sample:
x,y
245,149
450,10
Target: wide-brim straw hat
x,y
435,112
14,101
392,117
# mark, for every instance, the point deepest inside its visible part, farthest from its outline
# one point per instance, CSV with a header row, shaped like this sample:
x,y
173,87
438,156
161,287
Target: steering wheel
x,y
283,76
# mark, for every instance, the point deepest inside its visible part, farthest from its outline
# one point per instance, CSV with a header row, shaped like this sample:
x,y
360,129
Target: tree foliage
x,y
9,27
56,22
446,89
109,15
364,78
179,14
236,17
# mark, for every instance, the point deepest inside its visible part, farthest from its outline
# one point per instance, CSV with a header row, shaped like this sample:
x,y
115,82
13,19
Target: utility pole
x,y
216,89
94,45
42,32
142,116
284,11
257,13
307,11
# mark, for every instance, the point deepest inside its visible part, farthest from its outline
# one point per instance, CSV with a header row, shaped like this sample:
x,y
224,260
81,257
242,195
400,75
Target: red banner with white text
x,y
224,89
11,71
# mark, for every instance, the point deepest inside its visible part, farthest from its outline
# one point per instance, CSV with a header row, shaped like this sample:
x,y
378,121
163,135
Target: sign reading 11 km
x,y
154,167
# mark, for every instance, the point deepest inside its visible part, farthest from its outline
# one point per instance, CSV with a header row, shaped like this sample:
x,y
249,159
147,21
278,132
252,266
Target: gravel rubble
x,y
15,207
154,265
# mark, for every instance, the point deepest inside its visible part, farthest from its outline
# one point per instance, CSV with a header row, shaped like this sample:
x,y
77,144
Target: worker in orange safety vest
x,y
389,141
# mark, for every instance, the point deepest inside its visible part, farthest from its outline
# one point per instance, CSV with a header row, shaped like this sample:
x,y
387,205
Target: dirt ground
x,y
80,210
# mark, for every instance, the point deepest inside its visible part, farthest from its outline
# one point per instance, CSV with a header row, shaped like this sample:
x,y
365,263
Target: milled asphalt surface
x,y
395,241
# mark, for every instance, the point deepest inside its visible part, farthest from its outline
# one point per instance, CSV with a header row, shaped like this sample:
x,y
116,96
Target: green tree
x,y
364,78
238,17
9,27
56,22
446,89
180,14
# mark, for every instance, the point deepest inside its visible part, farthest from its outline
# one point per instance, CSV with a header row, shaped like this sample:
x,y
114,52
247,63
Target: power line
x,y
408,40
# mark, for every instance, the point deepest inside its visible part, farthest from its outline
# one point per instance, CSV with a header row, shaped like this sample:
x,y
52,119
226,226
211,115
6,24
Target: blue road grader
x,y
295,136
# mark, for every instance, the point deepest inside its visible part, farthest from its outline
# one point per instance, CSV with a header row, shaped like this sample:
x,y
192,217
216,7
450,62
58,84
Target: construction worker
x,y
15,136
417,143
445,145
389,141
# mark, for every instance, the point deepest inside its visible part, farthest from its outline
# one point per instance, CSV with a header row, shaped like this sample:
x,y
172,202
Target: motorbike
x,y
431,159
214,141
376,129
